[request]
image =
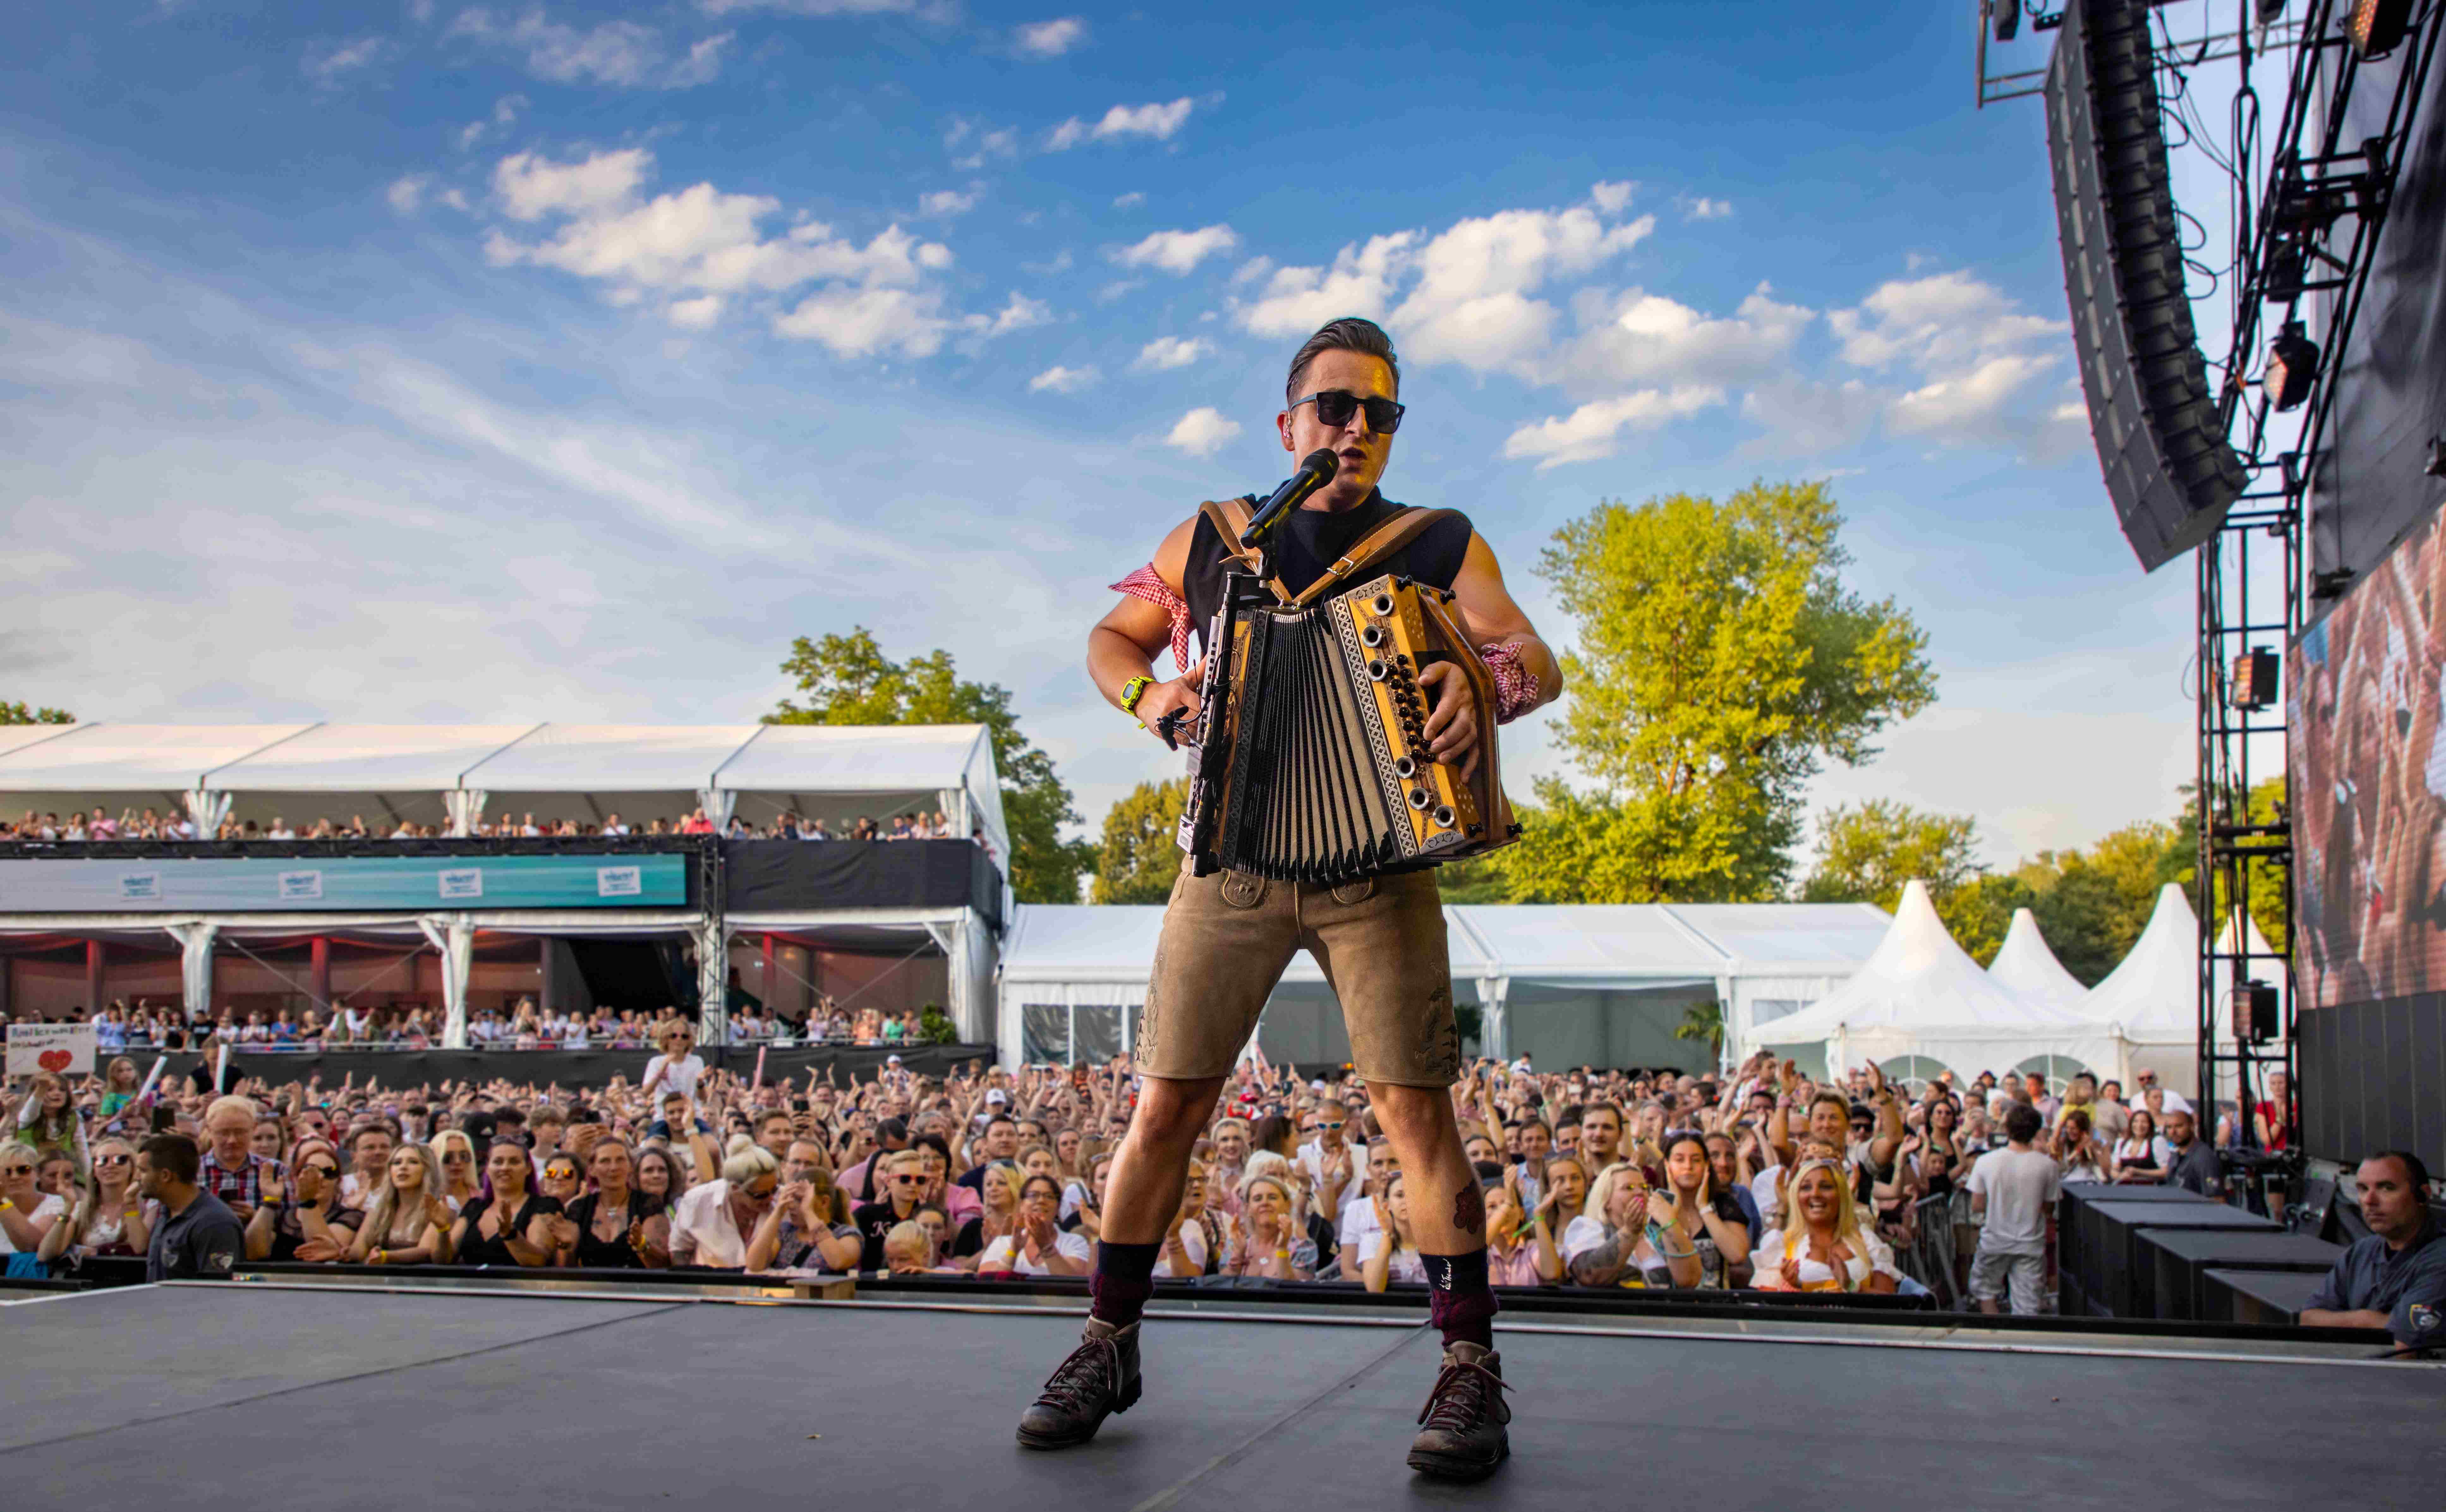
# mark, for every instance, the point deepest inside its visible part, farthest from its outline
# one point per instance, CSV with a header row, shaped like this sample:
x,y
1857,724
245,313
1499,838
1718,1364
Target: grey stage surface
x,y
254,1396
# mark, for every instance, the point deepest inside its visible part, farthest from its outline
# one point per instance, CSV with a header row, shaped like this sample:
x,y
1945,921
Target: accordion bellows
x,y
1312,762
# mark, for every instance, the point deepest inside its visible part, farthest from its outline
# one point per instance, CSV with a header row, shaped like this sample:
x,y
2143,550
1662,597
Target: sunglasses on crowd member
x,y
326,1172
458,1157
114,1160
1335,407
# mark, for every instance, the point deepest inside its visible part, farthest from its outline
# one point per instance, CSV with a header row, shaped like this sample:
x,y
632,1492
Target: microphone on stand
x,y
1315,470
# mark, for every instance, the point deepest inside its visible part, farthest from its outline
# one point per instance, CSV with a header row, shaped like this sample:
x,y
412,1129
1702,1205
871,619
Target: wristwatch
x,y
1133,690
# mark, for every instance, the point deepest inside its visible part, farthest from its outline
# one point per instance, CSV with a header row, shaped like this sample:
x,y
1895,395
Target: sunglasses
x,y
908,1180
458,1157
1335,407
114,1160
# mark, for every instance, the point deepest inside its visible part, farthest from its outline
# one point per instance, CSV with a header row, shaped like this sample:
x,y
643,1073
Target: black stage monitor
x,y
2169,470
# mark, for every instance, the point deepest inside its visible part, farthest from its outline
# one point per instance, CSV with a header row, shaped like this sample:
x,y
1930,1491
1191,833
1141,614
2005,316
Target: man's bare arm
x,y
1124,643
1492,618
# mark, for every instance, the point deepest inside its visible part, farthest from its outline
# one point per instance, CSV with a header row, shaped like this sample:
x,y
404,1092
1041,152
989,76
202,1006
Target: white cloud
x,y
1635,338
1805,419
327,63
1051,39
694,314
1702,208
1178,252
999,144
611,52
949,201
1167,352
871,299
1129,201
1295,301
1062,379
1472,304
1202,431
1610,197
505,115
1019,315
1588,432
407,193
1975,358
1157,120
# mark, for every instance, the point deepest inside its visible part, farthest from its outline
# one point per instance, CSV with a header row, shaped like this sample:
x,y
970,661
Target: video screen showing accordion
x,y
1313,760
2367,756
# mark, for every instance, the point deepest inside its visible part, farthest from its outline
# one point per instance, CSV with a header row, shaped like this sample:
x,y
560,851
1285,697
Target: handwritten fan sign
x,y
64,1050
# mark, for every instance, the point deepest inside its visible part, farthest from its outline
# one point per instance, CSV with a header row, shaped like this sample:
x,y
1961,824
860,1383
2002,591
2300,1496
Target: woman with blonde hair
x,y
1619,1241
108,1217
407,1223
711,1225
456,1153
1822,1246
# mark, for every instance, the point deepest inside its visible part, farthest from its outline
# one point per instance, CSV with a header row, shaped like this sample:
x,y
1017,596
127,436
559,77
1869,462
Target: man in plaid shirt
x,y
230,1170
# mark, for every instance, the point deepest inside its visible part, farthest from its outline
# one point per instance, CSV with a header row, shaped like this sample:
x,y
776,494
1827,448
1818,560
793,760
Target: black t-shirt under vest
x,y
1312,540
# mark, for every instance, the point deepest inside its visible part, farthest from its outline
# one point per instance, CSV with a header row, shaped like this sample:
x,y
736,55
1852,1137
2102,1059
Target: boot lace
x,y
1092,1371
1465,1395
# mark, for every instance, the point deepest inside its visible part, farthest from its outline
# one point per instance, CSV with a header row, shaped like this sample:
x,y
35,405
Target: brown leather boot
x,y
1464,1438
1100,1377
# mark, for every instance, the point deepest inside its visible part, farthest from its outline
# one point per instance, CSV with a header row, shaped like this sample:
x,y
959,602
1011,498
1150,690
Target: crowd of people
x,y
1756,1178
156,824
519,1025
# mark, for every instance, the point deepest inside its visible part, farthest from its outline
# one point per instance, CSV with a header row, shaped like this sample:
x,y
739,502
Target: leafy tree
x,y
1980,913
847,679
1867,852
1140,855
1705,1022
20,714
1721,663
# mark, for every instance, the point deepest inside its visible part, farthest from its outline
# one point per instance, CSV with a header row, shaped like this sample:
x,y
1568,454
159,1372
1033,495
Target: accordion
x,y
1312,762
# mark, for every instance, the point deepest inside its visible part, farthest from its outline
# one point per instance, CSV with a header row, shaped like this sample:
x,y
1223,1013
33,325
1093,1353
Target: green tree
x,y
1980,913
1721,663
847,679
1867,852
20,714
1705,1022
1140,855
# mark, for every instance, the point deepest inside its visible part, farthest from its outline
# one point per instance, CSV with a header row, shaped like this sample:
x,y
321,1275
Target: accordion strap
x,y
1230,516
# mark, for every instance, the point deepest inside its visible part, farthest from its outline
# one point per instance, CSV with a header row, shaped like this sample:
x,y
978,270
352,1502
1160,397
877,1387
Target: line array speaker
x,y
2170,473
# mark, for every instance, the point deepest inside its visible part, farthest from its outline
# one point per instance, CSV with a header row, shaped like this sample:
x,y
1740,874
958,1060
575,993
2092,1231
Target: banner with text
x,y
342,883
64,1050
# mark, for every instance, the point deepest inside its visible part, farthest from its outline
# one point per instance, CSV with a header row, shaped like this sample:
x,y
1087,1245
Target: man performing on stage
x,y
1228,936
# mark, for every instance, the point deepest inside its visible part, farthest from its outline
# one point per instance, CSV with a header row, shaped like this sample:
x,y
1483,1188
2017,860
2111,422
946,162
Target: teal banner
x,y
342,883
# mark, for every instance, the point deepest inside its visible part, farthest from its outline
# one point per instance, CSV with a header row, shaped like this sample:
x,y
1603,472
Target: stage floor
x,y
239,1395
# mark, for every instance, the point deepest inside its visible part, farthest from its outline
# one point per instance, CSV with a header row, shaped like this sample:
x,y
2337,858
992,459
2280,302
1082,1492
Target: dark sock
x,y
1124,1279
1459,1300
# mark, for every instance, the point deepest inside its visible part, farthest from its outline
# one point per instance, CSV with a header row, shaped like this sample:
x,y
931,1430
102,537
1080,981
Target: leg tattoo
x,y
1469,1209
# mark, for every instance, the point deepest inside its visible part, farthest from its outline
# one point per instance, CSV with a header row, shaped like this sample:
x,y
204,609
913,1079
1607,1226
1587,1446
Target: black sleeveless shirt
x,y
1312,540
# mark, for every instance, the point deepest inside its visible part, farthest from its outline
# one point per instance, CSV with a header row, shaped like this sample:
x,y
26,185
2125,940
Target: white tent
x,y
2151,998
2025,964
1921,997
1567,985
450,774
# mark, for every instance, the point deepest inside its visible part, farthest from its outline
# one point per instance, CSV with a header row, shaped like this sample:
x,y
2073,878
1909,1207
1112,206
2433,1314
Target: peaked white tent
x,y
2025,964
2151,998
1920,995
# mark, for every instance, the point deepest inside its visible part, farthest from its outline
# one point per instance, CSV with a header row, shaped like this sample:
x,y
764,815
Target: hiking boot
x,y
1100,1377
1463,1438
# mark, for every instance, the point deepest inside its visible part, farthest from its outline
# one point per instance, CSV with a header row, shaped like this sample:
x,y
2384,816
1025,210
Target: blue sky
x,y
438,361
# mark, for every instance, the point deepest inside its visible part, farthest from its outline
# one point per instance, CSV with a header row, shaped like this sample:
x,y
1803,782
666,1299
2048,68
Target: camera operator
x,y
2396,1279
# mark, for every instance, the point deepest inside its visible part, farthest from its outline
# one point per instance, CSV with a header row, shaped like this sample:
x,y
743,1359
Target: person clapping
x,y
1037,1246
407,1223
511,1223
309,1224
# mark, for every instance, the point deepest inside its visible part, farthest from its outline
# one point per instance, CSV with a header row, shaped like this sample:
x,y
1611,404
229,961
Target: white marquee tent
x,y
1921,1001
1566,985
447,775
2151,998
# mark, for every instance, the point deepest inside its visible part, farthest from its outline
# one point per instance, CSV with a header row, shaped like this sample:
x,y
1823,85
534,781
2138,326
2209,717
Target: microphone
x,y
1315,470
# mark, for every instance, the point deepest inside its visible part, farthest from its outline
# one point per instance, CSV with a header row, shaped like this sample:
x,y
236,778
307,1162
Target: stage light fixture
x,y
2256,1010
2006,16
2376,28
2253,684
2269,10
2292,366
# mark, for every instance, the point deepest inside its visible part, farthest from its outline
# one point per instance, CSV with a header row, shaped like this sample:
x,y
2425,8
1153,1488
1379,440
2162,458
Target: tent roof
x,y
611,759
1919,981
1797,936
853,758
1595,943
2154,992
368,759
103,756
2025,964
